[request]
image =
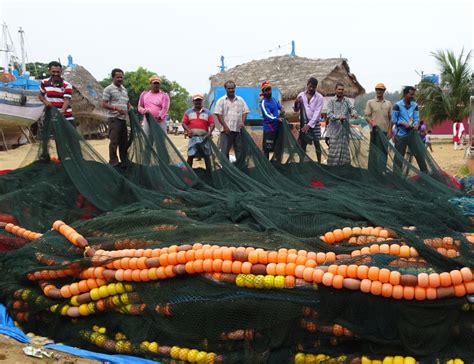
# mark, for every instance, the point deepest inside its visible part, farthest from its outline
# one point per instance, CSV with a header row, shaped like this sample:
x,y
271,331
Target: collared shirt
x,y
312,107
400,113
336,109
270,112
116,96
55,93
232,112
198,119
380,111
157,103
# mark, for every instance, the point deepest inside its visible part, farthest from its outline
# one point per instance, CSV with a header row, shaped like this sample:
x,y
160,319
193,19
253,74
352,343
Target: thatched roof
x,y
87,96
290,75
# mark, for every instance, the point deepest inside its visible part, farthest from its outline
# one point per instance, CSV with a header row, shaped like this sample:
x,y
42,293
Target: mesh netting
x,y
281,260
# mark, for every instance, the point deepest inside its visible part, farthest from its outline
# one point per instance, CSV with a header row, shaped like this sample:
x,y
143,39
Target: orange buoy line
x,y
71,235
141,265
22,232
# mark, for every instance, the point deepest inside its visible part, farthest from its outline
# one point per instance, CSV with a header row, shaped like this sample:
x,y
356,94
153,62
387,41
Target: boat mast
x,y
22,45
4,48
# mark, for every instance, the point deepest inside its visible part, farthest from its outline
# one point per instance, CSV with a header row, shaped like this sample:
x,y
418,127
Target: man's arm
x,y
244,112
368,113
41,96
218,111
166,106
184,123
141,104
331,109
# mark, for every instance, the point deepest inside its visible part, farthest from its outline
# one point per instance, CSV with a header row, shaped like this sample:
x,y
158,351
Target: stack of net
x,y
277,261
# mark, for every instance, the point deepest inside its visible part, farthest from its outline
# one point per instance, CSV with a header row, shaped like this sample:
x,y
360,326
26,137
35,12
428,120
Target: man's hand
x,y
122,111
305,128
190,133
226,129
416,126
354,115
62,110
47,104
342,118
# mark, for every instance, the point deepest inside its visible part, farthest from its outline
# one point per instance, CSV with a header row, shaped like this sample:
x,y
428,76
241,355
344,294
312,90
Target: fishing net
x,y
258,261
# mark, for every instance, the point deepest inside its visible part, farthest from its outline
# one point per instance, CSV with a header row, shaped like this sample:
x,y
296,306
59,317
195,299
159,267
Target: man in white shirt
x,y
231,112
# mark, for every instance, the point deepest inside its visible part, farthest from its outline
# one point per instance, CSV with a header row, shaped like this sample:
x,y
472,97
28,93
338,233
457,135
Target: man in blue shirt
x,y
406,118
271,111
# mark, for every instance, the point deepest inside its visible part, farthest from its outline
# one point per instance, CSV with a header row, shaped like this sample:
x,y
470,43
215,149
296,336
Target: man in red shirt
x,y
198,123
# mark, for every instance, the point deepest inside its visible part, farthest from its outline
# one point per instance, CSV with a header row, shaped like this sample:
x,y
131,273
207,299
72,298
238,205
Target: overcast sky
x,y
384,41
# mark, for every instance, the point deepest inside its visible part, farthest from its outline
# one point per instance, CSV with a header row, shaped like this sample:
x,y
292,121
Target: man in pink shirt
x,y
154,102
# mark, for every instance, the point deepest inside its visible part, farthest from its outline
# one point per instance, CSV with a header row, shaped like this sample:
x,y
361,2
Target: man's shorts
x,y
269,139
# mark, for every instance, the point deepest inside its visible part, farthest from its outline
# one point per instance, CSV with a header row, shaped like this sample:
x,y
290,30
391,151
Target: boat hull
x,y
19,108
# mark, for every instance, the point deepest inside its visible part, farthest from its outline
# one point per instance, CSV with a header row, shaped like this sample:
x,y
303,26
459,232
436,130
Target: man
x,y
231,112
198,123
271,111
155,103
310,104
54,91
378,115
340,110
115,100
406,118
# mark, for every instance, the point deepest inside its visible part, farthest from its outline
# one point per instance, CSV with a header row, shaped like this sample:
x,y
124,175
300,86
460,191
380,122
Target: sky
x,y
384,41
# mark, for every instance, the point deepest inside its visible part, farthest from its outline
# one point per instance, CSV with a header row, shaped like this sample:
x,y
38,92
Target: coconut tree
x,y
449,99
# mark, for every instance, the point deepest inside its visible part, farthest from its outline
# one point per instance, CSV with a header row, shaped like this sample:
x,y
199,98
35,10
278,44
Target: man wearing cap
x,y
154,102
378,114
271,111
231,112
115,100
198,123
310,104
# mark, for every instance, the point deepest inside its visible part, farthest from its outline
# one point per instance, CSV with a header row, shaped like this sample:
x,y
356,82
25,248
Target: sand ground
x,y
449,159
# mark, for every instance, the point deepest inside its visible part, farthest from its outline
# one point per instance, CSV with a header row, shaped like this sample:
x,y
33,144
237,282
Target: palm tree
x,y
449,99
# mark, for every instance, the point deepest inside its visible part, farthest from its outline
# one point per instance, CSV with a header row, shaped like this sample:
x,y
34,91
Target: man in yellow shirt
x,y
378,115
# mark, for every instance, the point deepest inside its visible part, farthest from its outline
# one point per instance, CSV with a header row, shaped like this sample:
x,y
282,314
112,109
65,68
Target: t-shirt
x,y
55,93
118,97
201,119
270,112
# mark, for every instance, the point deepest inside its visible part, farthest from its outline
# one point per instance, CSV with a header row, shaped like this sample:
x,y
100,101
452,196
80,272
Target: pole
x,y
293,49
23,57
222,67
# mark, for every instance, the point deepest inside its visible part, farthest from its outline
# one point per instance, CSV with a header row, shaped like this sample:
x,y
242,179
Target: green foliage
x,y
361,101
449,100
137,81
37,70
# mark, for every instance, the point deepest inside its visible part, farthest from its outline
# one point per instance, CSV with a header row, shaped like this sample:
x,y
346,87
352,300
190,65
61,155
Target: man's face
x,y
230,90
310,88
55,72
267,93
197,103
379,92
118,79
410,95
155,86
340,91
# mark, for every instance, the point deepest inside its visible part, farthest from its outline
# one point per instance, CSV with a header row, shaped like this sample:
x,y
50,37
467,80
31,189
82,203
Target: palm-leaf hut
x,y
91,118
290,75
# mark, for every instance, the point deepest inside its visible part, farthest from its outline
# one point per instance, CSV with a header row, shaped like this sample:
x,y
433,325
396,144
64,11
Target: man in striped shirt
x,y
54,91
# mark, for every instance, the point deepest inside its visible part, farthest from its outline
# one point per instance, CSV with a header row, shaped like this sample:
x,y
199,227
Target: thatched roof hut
x,y
86,100
290,75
